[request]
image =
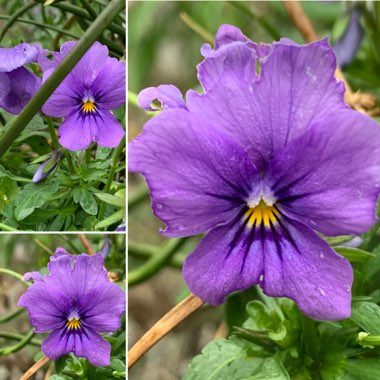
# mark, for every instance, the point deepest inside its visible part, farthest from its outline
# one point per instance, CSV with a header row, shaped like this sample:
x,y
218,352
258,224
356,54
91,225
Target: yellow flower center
x,y
88,106
73,324
262,214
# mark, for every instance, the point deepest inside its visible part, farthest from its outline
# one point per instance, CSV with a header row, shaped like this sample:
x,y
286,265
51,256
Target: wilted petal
x,y
167,94
329,178
198,178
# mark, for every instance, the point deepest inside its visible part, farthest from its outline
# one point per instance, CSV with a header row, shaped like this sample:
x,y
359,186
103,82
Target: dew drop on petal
x,y
261,278
323,293
159,206
322,256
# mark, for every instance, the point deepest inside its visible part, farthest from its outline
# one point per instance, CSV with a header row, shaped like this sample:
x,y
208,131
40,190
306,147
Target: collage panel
x,y
62,306
254,160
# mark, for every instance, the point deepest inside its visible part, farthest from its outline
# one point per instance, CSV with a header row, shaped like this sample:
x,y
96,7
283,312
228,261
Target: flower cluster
x,y
75,303
264,161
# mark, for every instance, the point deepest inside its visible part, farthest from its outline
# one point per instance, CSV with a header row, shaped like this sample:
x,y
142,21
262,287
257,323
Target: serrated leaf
x,y
118,365
33,196
88,202
223,359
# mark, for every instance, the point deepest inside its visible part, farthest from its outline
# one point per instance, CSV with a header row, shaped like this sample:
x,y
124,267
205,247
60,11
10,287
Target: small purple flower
x,y
263,162
17,84
74,303
84,99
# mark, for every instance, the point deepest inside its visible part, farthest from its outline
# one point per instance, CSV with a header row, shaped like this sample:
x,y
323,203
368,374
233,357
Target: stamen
x,y
262,214
88,106
73,324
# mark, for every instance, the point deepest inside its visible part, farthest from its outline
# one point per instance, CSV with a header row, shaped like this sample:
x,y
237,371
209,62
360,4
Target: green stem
x,y
115,160
261,20
70,162
13,336
154,264
15,275
11,315
41,25
14,18
18,346
83,14
138,196
146,251
53,134
4,227
89,9
88,156
86,41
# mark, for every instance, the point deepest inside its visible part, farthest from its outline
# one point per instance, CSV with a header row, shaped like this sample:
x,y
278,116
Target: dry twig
x,y
163,326
36,367
86,244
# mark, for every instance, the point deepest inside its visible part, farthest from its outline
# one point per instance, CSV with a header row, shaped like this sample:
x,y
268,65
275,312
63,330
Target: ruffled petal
x,y
109,86
17,56
329,178
229,258
23,85
231,62
295,87
198,178
167,94
301,266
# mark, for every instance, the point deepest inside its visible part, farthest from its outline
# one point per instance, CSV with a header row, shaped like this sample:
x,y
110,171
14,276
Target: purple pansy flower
x,y
264,162
17,84
74,303
84,99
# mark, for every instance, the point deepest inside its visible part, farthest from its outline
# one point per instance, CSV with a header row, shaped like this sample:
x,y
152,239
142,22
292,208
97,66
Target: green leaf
x,y
223,359
113,200
6,173
368,369
88,202
354,254
367,316
117,365
33,196
114,218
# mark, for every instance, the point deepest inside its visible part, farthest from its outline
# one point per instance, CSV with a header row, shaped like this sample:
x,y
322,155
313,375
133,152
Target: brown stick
x,y
86,244
307,31
163,326
32,370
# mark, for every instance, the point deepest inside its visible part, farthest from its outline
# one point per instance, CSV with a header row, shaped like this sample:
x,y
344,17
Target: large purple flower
x,y
264,162
74,303
84,99
17,84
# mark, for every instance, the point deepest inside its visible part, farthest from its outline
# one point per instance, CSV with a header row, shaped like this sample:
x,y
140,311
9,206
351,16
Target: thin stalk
x,y
5,227
70,163
310,340
11,315
153,265
88,38
87,156
15,275
53,133
35,368
115,160
170,320
13,336
41,25
89,9
43,246
18,346
12,19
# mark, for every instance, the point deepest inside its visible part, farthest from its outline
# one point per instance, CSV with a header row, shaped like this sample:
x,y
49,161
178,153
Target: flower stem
x,y
63,69
13,336
170,320
115,159
86,244
310,340
15,275
87,156
11,315
5,227
70,163
18,346
155,262
36,367
53,134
